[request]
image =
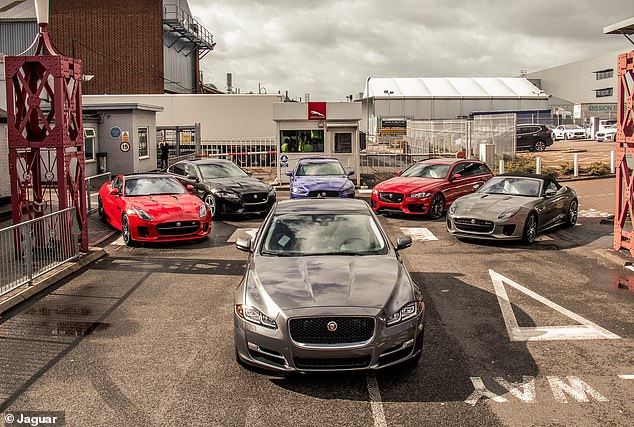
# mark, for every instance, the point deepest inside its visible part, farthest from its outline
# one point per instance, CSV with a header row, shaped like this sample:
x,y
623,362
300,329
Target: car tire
x,y
572,213
436,206
539,145
126,232
212,203
565,136
530,229
100,211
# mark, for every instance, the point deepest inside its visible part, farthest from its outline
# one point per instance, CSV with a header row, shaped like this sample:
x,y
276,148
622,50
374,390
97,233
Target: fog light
x,y
508,230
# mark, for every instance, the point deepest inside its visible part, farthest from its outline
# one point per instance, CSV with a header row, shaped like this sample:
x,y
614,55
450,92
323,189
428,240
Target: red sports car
x,y
153,208
430,186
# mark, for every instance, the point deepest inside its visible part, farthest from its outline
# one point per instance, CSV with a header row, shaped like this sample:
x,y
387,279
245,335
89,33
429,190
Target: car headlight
x,y
419,195
347,190
253,315
508,213
227,195
272,192
453,208
202,212
141,214
408,311
375,191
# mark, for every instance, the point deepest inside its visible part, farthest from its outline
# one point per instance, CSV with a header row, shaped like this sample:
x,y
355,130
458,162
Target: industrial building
x,y
126,47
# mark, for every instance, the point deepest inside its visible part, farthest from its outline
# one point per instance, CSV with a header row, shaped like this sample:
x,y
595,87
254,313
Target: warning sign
x,y
125,137
124,147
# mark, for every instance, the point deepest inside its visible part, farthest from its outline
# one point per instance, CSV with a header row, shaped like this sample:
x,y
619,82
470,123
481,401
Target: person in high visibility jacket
x,y
307,146
284,147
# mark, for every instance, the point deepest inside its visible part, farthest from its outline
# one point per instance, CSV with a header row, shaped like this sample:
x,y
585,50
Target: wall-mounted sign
x,y
125,136
115,132
604,107
316,111
576,111
284,161
124,147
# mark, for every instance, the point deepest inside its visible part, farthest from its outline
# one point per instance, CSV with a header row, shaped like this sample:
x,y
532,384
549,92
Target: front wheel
x,y
539,145
530,229
436,206
127,232
100,210
213,205
572,214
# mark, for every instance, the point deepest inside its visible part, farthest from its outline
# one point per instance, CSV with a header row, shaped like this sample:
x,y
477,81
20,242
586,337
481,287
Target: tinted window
x,y
190,170
320,168
221,170
459,168
117,183
521,129
473,169
178,169
427,170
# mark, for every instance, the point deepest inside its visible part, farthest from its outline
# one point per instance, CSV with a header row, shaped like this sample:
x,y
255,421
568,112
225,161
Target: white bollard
x,y
575,158
612,162
501,167
538,165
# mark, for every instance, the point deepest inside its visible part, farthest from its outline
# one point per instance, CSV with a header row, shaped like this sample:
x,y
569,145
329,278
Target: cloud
x,y
328,48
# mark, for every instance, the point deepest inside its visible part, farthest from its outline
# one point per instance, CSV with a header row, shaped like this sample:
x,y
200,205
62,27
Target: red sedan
x,y
430,186
153,208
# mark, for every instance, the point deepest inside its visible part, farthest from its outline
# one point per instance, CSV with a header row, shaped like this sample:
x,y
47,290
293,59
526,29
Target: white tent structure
x,y
436,98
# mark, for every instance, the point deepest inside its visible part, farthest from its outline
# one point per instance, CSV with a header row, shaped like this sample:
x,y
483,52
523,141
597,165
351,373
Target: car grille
x,y
323,193
476,225
333,363
391,197
177,228
349,330
254,197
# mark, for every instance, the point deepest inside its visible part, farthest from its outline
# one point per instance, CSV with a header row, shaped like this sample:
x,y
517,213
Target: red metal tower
x,y
45,131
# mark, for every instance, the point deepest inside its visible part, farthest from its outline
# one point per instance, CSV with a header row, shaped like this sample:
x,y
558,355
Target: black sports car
x,y
224,186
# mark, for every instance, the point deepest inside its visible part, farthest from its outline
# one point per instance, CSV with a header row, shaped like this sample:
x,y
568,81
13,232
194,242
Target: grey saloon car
x,y
513,207
326,290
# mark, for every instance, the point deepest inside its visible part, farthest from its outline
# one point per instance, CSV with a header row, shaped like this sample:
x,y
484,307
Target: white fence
x,y
32,248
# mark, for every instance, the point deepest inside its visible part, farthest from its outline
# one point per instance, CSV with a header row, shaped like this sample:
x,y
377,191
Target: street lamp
x,y
389,107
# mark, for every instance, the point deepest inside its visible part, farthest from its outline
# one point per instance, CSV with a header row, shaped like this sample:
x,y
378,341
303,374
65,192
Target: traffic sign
x,y
125,137
124,147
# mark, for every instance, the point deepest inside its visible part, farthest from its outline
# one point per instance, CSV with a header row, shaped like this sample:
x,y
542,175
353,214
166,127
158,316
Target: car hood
x,y
328,182
482,205
167,205
328,281
407,184
239,185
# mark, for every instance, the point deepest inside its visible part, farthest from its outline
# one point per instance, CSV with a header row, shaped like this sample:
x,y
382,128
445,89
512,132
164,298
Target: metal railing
x,y
93,184
33,248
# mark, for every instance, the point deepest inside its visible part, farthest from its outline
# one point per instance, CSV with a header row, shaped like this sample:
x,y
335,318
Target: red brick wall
x,y
120,42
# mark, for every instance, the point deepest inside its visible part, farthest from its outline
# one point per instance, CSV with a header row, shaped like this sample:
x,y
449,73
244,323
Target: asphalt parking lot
x,y
515,335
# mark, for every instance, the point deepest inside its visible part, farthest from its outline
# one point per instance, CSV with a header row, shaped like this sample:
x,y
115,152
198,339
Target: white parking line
x,y
365,191
375,400
586,331
421,234
593,213
626,377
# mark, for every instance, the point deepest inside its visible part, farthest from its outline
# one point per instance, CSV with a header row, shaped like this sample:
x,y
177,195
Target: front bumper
x,y
481,228
323,193
233,206
274,349
169,231
409,205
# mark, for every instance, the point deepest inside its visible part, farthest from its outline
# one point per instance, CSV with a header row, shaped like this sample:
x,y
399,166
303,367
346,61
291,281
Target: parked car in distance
x,y
224,186
325,290
569,131
513,207
533,137
320,177
608,134
604,125
429,186
153,208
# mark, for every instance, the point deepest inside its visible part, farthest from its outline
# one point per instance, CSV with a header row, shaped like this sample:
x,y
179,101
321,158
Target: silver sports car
x,y
325,290
513,206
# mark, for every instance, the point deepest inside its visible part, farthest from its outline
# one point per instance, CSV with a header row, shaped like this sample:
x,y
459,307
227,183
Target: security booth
x,y
317,129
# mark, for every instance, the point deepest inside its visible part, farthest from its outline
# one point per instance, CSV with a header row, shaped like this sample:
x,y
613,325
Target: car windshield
x,y
221,170
572,127
320,168
323,234
514,186
427,170
152,186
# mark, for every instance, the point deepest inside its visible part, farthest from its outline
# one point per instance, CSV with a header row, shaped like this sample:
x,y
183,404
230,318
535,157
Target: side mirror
x,y
398,173
289,173
550,193
189,188
244,244
475,187
350,172
456,176
114,192
403,242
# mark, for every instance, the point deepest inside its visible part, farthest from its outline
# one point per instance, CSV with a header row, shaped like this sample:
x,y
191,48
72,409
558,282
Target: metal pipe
x,y
501,167
538,165
575,158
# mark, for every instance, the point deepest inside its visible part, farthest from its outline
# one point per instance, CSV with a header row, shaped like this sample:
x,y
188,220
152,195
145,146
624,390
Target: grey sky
x,y
329,47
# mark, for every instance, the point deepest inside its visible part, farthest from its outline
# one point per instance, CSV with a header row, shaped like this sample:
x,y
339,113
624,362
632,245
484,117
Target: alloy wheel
x,y
436,207
540,146
211,202
530,229
573,213
125,230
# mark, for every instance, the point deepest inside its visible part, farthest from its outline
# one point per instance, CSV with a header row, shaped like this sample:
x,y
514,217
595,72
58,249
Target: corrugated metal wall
x,y
179,70
15,37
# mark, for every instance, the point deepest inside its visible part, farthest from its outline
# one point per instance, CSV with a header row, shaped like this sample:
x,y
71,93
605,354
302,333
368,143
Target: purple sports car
x,y
320,177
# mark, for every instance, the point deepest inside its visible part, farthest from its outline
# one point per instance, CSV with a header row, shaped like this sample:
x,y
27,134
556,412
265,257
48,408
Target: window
x,y
604,74
299,141
177,169
143,146
343,143
117,184
89,143
601,93
190,171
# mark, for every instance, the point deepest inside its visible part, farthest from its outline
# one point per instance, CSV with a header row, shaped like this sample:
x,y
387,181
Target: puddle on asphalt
x,y
76,328
54,320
